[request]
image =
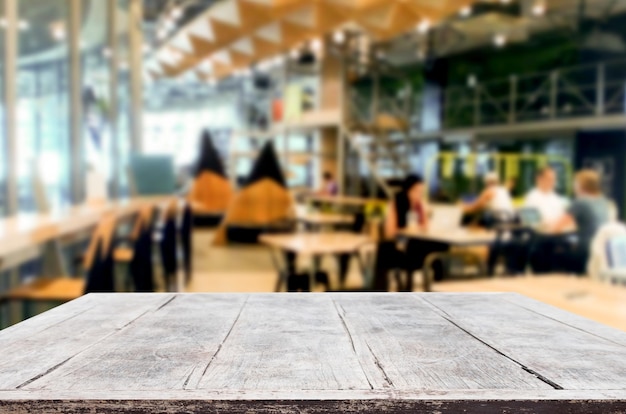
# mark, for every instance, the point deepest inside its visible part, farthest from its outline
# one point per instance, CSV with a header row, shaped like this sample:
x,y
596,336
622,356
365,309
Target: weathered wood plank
x,y
39,349
562,355
397,406
310,353
169,348
286,342
416,349
570,319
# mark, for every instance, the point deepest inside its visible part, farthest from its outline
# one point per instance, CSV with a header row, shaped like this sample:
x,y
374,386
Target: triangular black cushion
x,y
209,158
266,166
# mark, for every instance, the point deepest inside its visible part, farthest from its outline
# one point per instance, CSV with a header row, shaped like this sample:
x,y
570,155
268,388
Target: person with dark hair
x,y
329,187
408,210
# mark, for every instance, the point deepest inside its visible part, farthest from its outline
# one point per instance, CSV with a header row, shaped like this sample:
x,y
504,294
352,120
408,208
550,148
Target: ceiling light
x,y
472,81
339,37
423,26
58,31
23,25
539,8
499,40
278,60
316,45
177,13
466,11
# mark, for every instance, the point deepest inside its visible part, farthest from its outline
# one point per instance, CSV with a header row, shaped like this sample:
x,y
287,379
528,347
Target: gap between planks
x,y
444,315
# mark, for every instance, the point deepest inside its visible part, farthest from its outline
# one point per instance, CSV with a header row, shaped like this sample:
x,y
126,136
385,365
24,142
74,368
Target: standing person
x,y
545,199
590,211
495,198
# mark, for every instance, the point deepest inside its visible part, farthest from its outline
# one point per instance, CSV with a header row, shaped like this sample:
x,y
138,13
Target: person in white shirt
x,y
495,197
550,205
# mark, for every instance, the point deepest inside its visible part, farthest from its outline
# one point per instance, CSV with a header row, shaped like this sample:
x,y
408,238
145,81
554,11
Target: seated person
x,y
329,187
590,211
408,205
494,198
543,198
407,211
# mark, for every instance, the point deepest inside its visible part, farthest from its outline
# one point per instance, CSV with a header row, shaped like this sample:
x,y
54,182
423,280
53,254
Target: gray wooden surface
x,y
311,353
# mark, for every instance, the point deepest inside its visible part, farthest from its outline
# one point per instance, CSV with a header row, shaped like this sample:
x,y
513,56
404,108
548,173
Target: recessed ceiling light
x,y
423,26
499,40
177,13
339,37
23,25
466,11
316,45
539,9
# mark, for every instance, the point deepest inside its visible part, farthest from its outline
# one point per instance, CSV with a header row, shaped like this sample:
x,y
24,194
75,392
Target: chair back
x,y
168,244
359,222
98,262
186,242
141,266
607,250
616,252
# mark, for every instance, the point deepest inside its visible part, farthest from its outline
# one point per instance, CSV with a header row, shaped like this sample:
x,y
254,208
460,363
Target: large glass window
x,y
3,141
96,89
43,102
124,142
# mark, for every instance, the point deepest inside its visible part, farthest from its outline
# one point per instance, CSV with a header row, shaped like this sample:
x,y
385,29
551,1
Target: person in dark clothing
x,y
408,210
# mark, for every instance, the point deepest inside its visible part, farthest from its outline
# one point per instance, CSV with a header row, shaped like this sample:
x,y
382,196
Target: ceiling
x,y
218,38
232,34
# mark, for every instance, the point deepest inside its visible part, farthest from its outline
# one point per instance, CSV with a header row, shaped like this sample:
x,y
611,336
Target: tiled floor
x,y
250,269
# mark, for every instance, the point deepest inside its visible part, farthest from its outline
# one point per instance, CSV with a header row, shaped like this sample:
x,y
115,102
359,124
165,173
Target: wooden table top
x,y
313,353
455,236
599,301
26,230
345,200
324,219
316,243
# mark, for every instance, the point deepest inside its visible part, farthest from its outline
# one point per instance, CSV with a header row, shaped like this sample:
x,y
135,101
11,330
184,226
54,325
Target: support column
x,y
77,148
113,81
10,103
136,74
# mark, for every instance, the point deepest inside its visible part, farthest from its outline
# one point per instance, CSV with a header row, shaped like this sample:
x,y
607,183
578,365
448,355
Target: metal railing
x,y
592,90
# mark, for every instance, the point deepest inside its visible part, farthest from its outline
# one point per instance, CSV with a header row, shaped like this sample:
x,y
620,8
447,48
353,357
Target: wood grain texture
x,y
311,353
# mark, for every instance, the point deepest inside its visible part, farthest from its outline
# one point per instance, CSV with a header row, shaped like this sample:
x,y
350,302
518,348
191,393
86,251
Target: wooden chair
x,y
186,240
98,270
168,244
139,256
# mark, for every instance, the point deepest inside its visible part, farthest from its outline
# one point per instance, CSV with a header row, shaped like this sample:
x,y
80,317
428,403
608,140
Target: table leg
x,y
282,272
